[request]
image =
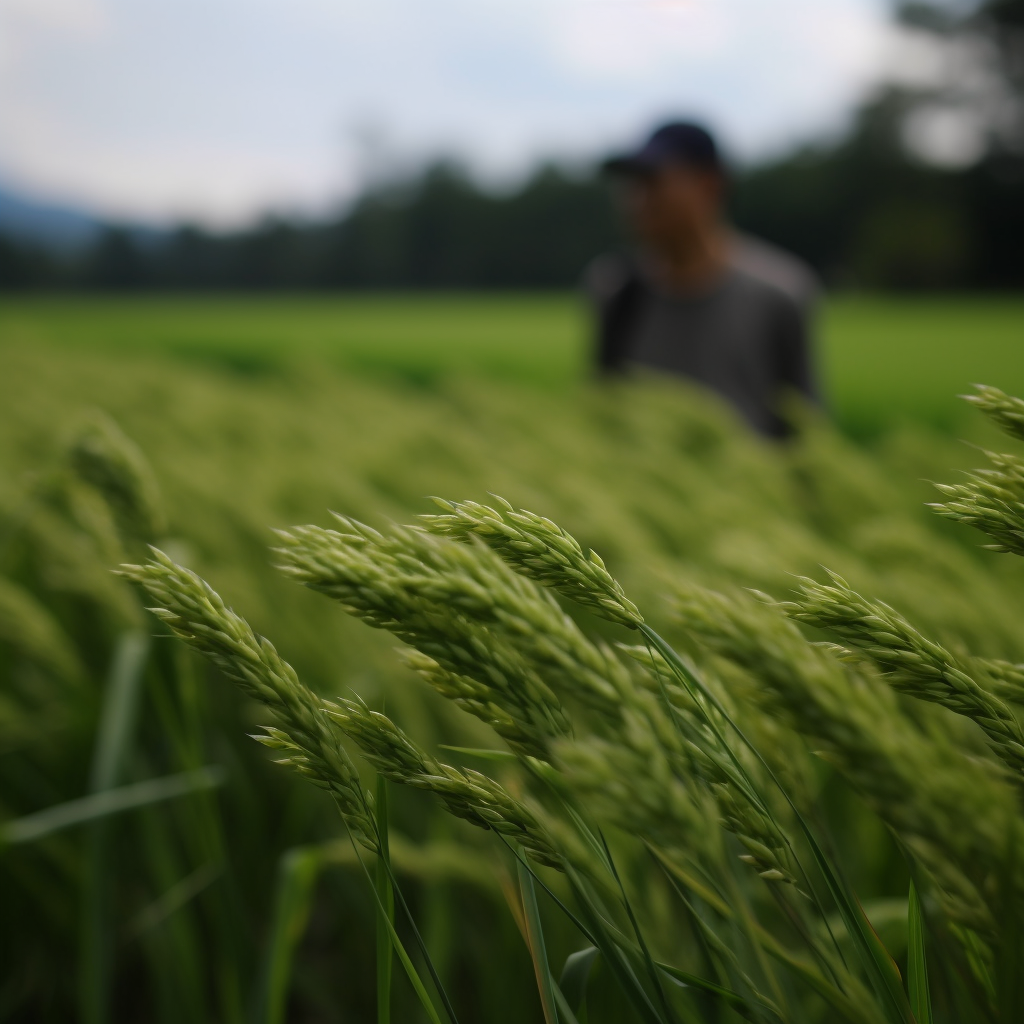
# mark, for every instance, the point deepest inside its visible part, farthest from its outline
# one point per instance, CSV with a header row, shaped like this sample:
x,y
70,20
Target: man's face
x,y
674,206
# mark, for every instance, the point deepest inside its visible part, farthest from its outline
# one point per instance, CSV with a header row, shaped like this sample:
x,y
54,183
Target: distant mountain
x,y
59,227
49,224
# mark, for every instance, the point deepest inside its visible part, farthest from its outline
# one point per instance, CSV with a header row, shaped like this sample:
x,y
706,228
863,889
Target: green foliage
x,y
718,876
884,359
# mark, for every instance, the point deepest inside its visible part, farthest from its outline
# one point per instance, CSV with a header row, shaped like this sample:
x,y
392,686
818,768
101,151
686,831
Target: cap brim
x,y
634,165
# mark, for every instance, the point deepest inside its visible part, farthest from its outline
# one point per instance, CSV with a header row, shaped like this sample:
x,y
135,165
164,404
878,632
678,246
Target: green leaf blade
x,y
386,898
917,963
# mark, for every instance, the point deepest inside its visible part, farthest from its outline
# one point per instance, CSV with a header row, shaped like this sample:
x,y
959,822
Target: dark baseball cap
x,y
680,142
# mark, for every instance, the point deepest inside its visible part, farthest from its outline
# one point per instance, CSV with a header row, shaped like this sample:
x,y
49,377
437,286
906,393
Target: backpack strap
x,y
617,292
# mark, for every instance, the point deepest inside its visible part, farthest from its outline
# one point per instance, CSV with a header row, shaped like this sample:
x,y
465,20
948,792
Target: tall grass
x,y
662,751
712,807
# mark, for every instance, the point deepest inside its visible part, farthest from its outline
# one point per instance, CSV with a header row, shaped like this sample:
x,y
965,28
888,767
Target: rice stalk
x,y
924,790
102,456
909,662
1004,410
475,620
195,613
541,550
465,793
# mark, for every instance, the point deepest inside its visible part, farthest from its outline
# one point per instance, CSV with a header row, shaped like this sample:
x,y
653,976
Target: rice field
x,y
158,865
883,359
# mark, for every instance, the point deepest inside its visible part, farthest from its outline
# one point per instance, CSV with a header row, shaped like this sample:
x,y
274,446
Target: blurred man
x,y
697,299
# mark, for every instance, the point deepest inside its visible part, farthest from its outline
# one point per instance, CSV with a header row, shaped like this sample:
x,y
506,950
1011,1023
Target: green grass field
x,y
158,866
883,359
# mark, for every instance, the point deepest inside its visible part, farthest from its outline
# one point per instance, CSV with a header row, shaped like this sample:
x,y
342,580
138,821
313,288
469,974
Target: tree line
x,y
865,210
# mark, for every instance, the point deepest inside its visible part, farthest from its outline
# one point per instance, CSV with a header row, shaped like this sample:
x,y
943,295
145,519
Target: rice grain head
x,y
465,793
195,613
540,550
908,661
1004,410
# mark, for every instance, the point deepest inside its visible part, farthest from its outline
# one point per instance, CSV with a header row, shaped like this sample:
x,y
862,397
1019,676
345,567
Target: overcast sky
x,y
222,109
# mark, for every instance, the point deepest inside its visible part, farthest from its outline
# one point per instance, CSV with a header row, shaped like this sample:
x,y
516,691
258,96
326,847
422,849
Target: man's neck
x,y
697,264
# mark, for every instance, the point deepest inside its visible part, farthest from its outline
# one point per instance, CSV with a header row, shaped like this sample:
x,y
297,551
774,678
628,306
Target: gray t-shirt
x,y
745,337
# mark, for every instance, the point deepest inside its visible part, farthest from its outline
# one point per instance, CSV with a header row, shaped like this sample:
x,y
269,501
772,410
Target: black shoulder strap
x,y
616,320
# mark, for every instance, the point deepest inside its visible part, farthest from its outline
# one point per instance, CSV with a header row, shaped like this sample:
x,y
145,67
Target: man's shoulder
x,y
607,276
774,269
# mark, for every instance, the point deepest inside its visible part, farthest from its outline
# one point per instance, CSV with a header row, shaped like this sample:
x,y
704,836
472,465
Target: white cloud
x,y
221,108
27,24
76,16
630,40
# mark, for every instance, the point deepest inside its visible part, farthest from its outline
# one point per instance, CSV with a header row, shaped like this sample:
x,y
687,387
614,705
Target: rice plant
x,y
615,786
657,764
